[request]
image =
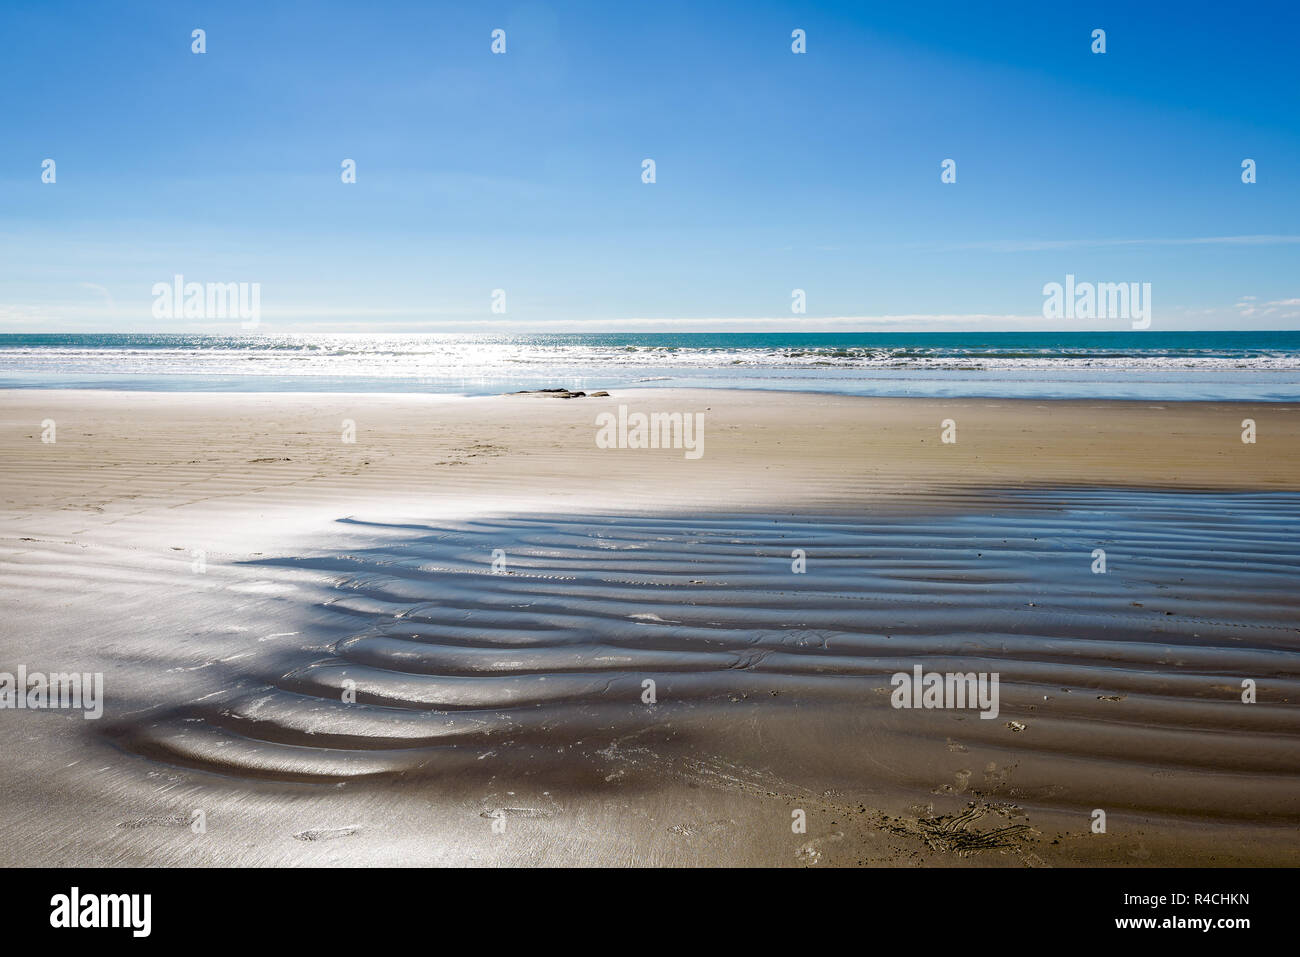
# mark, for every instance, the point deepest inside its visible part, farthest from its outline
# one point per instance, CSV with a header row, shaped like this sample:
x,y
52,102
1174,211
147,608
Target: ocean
x,y
1164,366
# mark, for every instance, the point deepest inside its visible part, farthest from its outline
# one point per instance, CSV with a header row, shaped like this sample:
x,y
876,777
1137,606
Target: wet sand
x,y
236,569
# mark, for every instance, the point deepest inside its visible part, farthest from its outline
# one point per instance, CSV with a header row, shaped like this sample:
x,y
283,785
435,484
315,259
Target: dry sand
x,y
229,563
119,453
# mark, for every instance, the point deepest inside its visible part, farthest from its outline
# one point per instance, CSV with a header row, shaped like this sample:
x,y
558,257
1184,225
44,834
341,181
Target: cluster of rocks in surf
x,y
560,394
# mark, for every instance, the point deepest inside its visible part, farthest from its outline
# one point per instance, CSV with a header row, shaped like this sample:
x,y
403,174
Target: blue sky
x,y
522,171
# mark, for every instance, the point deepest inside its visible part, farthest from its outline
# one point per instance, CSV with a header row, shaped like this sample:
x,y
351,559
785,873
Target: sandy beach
x,y
417,629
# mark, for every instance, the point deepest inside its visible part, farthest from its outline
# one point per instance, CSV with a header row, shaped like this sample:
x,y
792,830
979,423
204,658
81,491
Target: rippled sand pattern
x,y
1123,687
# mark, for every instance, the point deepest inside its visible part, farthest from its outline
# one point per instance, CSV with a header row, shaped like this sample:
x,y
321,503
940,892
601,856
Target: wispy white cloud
x,y
1250,307
1038,245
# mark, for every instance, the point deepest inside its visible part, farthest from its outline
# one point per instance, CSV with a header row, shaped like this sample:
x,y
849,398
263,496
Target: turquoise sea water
x,y
1260,366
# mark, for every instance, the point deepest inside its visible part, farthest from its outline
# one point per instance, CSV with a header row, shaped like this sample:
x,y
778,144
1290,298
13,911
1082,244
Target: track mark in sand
x,y
729,776
711,827
326,833
523,813
960,785
509,804
953,834
174,820
713,772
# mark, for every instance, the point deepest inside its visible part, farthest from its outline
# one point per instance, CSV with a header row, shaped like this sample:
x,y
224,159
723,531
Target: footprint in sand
x,y
810,853
325,833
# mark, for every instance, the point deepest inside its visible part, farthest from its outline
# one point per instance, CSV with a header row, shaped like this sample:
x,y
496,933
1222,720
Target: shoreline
x,y
1169,393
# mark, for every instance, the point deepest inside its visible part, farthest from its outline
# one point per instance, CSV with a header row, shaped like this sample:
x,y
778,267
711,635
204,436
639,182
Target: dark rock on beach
x,y
556,393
